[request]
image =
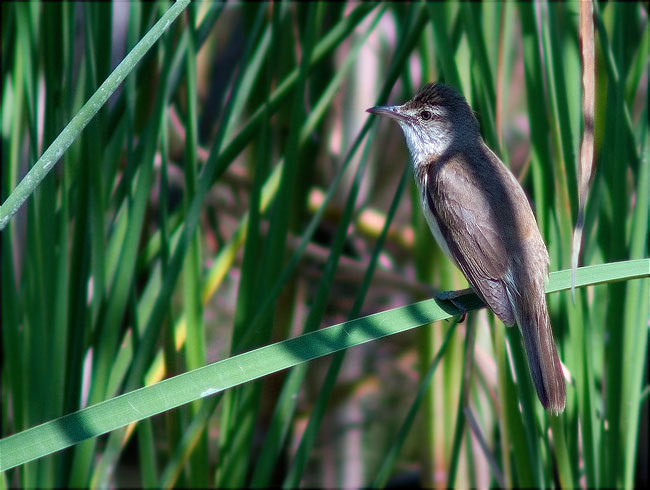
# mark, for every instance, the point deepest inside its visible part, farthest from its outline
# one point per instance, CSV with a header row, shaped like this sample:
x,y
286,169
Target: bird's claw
x,y
453,298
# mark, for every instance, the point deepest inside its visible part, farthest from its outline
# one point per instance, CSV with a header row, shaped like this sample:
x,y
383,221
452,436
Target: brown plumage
x,y
480,216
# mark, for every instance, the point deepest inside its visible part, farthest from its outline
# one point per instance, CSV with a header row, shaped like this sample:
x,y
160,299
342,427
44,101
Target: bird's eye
x,y
425,115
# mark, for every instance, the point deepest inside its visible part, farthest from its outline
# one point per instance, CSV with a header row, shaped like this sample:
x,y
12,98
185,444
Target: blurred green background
x,y
233,193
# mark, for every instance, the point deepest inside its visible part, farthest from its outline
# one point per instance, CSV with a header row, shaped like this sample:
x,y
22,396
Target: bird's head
x,y
436,119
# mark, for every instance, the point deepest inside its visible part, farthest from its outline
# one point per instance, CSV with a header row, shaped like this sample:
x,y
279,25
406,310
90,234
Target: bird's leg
x,y
454,298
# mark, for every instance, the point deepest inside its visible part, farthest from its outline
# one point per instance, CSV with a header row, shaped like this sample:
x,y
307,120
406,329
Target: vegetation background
x,y
232,193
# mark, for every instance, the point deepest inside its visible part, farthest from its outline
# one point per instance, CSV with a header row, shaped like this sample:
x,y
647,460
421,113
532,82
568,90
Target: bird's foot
x,y
454,297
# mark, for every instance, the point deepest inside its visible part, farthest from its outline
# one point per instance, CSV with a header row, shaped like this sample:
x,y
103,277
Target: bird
x,y
482,220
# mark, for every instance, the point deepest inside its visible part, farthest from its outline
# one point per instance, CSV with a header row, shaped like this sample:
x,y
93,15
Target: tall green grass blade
x,y
389,461
146,453
542,171
192,268
472,17
438,18
470,337
637,310
13,342
192,433
37,278
234,440
530,409
618,153
108,323
565,473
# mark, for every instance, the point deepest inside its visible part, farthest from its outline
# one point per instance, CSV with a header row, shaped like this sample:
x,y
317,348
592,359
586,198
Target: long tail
x,y
544,363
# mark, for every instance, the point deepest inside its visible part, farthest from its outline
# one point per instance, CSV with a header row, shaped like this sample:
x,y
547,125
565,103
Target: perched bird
x,y
482,220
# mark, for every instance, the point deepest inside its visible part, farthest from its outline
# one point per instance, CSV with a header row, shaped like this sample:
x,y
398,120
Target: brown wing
x,y
464,207
490,231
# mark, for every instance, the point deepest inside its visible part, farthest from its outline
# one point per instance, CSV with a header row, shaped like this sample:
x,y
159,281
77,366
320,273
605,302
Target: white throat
x,y
423,145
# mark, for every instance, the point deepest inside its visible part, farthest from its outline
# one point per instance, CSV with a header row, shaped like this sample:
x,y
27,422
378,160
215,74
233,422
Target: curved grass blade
x,y
145,402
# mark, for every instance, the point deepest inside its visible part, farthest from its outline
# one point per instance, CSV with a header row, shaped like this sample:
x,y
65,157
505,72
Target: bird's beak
x,y
392,111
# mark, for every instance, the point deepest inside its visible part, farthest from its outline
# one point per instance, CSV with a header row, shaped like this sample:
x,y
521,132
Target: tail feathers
x,y
545,366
